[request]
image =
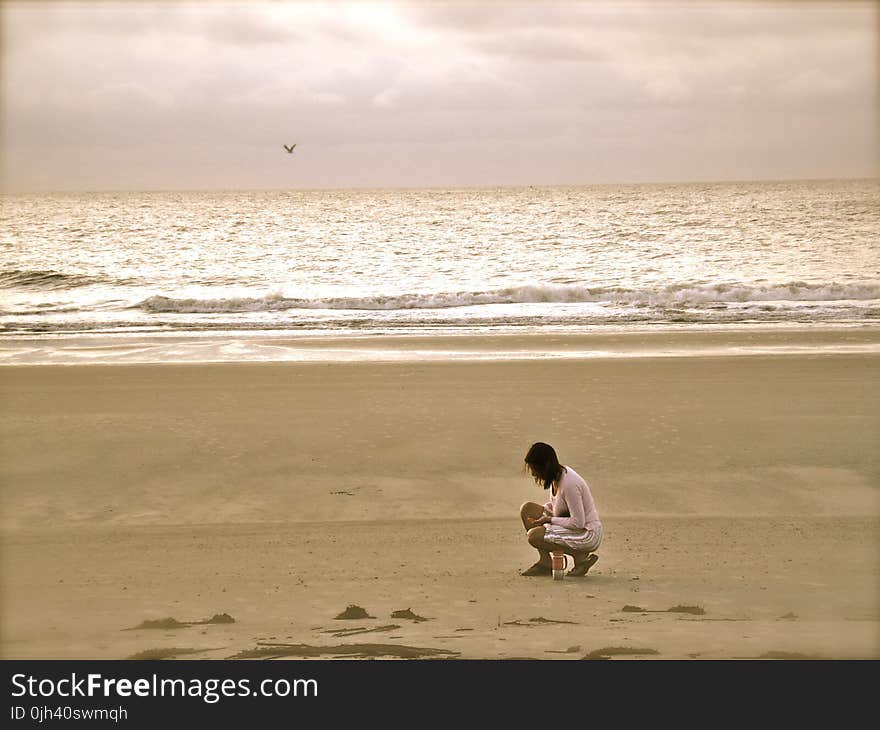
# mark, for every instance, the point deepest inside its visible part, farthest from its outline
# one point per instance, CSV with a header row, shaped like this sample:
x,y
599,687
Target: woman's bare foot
x,y
582,568
538,568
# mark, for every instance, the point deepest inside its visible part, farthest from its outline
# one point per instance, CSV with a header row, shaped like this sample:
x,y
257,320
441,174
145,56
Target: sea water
x,y
450,261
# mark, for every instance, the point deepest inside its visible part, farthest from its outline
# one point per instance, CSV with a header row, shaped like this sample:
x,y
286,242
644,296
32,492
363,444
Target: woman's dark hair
x,y
543,464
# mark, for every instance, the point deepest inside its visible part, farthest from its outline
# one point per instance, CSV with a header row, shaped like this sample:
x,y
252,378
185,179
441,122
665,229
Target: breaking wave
x,y
671,296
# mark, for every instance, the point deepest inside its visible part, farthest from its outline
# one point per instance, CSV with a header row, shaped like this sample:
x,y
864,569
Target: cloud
x,y
437,87
540,45
669,20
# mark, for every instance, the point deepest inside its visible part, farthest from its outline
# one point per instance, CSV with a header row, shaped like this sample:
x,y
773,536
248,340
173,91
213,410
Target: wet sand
x,y
282,493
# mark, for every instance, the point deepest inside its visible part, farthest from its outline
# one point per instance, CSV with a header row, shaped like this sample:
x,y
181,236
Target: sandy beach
x,y
741,492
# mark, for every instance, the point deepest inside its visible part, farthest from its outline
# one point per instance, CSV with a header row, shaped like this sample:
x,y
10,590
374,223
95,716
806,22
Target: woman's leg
x,y
582,563
536,540
586,558
530,510
579,556
583,559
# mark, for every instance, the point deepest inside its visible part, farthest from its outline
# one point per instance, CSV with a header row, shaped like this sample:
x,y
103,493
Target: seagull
x,y
290,148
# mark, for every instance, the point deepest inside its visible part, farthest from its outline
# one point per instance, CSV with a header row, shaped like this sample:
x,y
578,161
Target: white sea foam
x,y
674,295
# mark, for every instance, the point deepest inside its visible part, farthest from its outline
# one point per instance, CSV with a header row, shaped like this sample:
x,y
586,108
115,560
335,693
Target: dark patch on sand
x,y
159,623
173,623
695,610
359,630
542,620
347,494
364,651
724,619
786,655
609,651
353,612
571,650
789,616
167,653
407,613
535,622
464,629
218,618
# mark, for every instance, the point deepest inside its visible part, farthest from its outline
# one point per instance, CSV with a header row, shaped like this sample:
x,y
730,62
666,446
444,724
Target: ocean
x,y
438,261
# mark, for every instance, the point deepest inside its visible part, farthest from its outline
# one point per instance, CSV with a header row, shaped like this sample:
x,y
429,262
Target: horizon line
x,y
488,186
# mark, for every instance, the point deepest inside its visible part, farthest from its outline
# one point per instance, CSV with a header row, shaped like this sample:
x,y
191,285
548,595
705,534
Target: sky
x,y
179,96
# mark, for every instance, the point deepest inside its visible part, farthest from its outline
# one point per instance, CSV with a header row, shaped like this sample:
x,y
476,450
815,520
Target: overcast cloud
x,y
109,96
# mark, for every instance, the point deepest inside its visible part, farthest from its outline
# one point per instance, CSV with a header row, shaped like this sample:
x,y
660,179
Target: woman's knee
x,y
531,509
536,536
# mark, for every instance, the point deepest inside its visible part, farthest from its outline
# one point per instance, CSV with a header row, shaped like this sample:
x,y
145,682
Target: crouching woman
x,y
568,522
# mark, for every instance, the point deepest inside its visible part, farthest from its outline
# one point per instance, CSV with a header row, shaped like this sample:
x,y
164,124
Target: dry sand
x,y
280,494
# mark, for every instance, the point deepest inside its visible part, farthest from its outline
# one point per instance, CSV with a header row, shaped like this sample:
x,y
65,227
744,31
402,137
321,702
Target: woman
x,y
568,523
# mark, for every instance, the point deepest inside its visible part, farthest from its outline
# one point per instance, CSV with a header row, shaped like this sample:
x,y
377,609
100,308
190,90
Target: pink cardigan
x,y
572,506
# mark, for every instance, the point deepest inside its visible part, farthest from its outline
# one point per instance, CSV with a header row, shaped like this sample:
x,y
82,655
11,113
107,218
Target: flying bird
x,y
290,148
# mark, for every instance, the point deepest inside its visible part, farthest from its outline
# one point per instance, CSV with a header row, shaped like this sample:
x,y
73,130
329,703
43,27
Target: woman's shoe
x,y
538,569
583,568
